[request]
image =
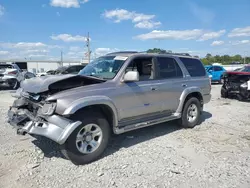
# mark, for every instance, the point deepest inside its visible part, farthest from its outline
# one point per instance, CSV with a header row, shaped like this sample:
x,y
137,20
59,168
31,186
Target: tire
x,y
14,84
224,92
71,148
186,122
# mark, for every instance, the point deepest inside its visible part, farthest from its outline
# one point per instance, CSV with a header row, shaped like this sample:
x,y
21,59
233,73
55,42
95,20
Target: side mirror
x,y
210,71
131,76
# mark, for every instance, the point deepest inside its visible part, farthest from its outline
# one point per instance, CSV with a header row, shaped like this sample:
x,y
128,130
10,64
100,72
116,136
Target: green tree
x,y
237,58
205,61
209,56
156,50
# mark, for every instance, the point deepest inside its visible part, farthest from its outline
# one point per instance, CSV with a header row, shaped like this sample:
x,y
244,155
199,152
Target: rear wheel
x,y
87,143
191,113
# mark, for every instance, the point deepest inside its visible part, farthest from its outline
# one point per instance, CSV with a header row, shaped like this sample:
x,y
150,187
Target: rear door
x,y
170,83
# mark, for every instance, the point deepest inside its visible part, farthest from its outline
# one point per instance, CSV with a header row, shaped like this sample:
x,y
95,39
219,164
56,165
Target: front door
x,y
138,100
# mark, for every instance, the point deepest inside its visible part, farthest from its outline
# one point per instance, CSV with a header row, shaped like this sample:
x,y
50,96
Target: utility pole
x,y
245,54
61,58
88,45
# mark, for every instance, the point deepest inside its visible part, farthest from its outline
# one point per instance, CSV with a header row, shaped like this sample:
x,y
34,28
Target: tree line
x,y
209,58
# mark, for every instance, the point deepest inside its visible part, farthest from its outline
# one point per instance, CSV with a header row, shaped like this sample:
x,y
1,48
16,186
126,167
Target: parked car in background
x,y
245,69
115,93
216,72
11,75
70,69
237,84
50,72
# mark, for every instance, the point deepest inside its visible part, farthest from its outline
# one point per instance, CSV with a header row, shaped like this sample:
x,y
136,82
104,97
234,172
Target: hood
x,y
56,83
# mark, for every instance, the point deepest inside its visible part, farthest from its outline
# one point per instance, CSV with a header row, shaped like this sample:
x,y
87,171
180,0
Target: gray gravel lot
x,y
213,154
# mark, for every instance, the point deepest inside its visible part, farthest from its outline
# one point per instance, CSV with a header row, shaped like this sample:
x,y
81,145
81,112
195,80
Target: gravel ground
x,y
213,154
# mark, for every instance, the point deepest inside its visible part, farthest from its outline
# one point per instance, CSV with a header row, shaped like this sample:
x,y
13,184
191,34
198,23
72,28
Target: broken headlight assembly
x,y
48,108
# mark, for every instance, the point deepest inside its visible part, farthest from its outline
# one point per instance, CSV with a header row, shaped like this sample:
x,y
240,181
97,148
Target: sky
x,y
41,29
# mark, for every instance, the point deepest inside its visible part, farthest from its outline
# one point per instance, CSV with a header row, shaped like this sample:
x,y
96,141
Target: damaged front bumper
x,y
54,127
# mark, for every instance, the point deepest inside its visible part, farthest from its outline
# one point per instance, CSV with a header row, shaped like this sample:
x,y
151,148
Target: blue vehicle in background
x,y
216,72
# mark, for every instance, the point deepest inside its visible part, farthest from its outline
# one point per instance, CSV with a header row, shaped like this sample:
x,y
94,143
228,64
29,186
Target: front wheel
x,y
191,113
87,143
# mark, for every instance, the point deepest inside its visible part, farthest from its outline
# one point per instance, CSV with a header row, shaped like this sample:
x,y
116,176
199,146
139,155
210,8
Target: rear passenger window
x,y
194,66
216,68
168,68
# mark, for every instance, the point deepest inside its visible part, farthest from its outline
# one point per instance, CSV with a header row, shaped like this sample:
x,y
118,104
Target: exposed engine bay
x,y
31,104
236,84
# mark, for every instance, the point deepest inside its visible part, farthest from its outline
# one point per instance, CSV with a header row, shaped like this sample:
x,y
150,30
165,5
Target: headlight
x,y
48,108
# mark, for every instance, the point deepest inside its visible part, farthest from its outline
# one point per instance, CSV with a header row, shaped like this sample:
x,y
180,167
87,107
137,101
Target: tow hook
x,y
20,131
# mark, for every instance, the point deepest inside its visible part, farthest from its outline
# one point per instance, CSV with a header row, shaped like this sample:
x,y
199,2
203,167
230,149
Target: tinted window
x,y
29,75
216,68
168,68
78,68
5,66
194,66
71,70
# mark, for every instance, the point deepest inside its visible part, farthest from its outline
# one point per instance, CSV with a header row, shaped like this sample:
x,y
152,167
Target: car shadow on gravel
x,y
52,149
141,135
48,147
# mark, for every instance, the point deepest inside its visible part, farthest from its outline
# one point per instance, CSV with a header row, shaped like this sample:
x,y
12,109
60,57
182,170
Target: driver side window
x,y
143,66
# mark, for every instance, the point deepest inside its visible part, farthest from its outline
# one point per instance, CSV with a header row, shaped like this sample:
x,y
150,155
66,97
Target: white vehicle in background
x,y
41,74
11,75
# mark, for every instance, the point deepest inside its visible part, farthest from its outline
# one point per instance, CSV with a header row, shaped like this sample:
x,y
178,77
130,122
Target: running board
x,y
128,128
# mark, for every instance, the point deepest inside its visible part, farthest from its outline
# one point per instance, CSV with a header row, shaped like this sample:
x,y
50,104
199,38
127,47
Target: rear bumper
x,y
54,127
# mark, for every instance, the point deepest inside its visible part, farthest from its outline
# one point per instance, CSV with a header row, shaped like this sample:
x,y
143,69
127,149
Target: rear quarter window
x,y
193,66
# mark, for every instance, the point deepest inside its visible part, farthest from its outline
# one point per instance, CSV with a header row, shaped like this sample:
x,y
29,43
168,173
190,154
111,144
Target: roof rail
x,y
122,52
172,53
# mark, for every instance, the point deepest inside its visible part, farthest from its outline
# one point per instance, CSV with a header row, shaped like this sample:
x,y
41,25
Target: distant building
x,y
43,66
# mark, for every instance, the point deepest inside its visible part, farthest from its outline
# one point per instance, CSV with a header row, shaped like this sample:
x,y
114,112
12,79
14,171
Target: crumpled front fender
x,y
89,101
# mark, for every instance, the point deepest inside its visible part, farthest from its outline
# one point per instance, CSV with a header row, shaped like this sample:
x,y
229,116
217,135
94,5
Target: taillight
x,y
12,72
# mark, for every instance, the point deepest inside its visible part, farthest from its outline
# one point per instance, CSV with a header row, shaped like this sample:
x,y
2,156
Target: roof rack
x,y
122,52
182,54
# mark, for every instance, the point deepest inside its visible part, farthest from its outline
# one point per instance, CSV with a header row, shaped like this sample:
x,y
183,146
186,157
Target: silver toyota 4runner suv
x,y
115,93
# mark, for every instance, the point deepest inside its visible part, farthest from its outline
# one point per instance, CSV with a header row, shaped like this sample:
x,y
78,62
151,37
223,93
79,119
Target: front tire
x,y
191,113
87,142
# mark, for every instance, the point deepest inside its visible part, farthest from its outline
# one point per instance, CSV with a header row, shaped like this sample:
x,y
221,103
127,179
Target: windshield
x,y
5,66
105,67
244,69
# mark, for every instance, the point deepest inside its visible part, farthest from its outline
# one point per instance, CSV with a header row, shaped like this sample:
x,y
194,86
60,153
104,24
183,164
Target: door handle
x,y
184,85
153,88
